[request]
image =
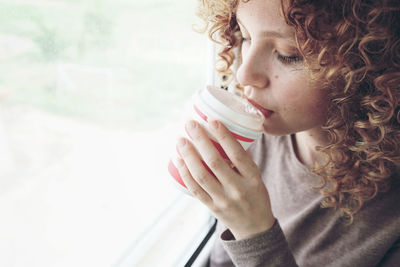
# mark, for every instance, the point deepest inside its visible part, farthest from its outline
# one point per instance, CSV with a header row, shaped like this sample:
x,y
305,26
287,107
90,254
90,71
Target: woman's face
x,y
273,72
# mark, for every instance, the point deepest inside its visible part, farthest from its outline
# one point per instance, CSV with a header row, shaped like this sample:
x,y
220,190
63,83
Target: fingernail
x,y
214,124
181,142
191,125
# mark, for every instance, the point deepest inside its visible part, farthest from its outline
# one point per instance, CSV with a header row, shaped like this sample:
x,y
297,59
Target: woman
x,y
321,186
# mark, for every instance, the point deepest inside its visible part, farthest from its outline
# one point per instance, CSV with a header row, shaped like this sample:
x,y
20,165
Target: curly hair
x,y
352,49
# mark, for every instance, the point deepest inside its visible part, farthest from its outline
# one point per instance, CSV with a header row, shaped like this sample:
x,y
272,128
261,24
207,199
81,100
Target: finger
x,y
193,187
198,171
210,154
236,153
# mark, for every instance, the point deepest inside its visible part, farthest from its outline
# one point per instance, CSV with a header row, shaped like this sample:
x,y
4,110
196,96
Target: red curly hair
x,y
353,49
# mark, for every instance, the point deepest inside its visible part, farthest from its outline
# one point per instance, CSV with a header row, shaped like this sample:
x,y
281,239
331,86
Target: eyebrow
x,y
274,34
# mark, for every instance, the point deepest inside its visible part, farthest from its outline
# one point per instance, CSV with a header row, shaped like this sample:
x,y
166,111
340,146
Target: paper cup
x,y
243,120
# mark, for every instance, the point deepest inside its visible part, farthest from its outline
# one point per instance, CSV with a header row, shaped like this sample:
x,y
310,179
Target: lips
x,y
266,112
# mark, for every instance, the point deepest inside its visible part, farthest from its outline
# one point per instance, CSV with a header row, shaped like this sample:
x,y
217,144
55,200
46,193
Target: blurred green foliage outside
x,y
119,63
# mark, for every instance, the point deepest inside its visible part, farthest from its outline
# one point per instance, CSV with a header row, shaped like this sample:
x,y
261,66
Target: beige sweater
x,y
305,234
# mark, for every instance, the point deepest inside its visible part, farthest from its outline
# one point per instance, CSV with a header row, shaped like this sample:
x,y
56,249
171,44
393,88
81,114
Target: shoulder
x,y
387,201
383,211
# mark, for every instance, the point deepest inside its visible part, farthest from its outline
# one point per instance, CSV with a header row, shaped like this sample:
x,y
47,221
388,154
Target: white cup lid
x,y
232,107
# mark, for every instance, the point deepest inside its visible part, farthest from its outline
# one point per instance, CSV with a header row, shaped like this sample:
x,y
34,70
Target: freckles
x,y
286,107
276,76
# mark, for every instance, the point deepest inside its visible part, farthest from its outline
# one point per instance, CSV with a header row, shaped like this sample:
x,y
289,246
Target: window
x,y
90,92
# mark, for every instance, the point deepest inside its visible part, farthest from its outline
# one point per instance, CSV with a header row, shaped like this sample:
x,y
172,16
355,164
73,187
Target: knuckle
x,y
237,157
239,196
185,175
223,137
217,209
197,192
214,163
201,178
225,205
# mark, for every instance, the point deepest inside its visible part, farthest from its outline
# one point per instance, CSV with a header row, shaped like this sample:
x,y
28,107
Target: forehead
x,y
264,15
272,7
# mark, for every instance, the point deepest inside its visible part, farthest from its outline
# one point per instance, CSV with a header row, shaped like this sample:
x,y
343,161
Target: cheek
x,y
314,107
289,87
299,98
292,98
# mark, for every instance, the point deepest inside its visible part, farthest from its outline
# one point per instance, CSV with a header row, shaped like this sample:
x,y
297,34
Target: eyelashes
x,y
286,60
289,59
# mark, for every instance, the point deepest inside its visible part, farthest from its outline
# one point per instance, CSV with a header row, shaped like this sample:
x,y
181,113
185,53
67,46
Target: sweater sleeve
x,y
269,248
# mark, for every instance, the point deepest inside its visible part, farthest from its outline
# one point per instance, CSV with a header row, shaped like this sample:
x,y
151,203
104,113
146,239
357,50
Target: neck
x,y
305,145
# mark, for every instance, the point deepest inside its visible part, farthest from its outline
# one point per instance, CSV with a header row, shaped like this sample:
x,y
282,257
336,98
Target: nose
x,y
254,69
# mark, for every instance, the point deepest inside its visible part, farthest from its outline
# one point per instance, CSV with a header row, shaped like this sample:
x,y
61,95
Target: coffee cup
x,y
242,119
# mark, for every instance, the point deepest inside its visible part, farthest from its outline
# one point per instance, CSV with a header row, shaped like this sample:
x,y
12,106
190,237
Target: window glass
x,y
91,92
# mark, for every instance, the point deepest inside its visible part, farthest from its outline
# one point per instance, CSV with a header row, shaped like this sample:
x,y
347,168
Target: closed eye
x,y
289,59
